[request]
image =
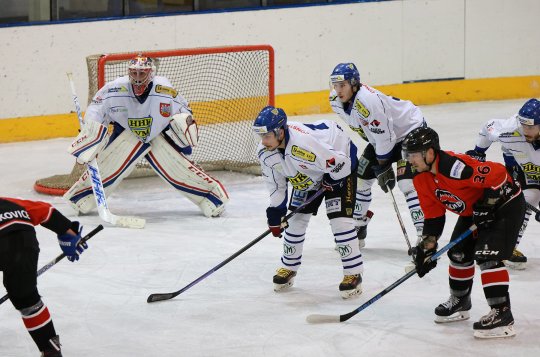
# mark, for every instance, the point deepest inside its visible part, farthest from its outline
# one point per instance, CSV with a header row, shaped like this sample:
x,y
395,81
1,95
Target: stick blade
x,y
322,319
159,297
130,222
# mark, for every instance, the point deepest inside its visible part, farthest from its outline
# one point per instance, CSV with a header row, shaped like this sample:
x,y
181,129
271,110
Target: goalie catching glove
x,y
184,130
88,144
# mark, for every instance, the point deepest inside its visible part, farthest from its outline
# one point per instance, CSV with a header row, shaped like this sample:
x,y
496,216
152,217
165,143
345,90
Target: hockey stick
x,y
167,296
97,184
318,318
49,265
409,251
532,208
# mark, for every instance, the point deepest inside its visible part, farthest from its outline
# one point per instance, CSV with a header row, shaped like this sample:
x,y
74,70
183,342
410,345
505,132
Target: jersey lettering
x,y
303,154
166,90
140,126
361,108
300,181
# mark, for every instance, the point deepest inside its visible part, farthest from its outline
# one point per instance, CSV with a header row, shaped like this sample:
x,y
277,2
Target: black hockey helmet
x,y
419,140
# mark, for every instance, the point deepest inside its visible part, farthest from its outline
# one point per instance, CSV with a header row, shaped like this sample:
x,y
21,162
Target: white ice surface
x,y
99,303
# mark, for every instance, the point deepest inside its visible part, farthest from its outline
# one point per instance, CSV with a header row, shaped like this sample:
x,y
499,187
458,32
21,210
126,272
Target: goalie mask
x,y
141,72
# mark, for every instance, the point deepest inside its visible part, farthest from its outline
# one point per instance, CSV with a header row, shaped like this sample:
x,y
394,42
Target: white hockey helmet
x,y
141,72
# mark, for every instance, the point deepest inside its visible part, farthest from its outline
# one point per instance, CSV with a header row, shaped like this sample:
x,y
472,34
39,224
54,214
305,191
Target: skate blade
x,y
515,265
346,294
498,332
457,316
281,287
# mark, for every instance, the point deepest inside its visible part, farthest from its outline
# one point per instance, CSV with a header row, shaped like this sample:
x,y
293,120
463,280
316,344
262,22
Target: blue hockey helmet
x,y
529,114
345,72
270,119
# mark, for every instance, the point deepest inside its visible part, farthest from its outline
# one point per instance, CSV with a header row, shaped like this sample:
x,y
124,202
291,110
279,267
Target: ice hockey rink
x,y
99,303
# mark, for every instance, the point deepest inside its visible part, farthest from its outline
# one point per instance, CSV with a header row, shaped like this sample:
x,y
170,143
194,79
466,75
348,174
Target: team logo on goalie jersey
x,y
140,127
453,202
165,109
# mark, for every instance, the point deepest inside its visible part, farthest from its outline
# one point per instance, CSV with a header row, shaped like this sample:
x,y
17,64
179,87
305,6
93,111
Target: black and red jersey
x,y
459,183
16,215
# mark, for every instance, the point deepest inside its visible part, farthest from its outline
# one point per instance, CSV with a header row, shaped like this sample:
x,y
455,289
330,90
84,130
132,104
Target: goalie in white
x,y
151,120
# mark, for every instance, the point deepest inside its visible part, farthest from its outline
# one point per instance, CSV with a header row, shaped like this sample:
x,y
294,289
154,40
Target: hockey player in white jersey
x,y
384,122
151,120
519,136
309,156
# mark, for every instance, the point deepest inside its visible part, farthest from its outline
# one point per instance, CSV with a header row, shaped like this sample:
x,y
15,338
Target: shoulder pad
x,y
452,167
166,90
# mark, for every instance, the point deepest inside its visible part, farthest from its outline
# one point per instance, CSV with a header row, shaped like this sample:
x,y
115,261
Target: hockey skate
x,y
498,323
454,309
517,261
54,350
283,279
351,285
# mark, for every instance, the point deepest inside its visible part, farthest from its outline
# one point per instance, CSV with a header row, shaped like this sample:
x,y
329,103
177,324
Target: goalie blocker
x,y
164,154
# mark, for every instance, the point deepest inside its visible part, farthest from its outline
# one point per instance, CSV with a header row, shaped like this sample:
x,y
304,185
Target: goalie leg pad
x,y
89,142
115,163
181,173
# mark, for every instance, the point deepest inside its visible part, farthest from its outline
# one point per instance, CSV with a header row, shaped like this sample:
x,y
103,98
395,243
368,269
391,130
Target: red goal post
x,y
226,88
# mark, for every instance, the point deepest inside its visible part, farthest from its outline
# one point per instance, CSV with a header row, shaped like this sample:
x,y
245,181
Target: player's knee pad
x,y
298,223
199,187
406,186
343,226
115,163
532,196
23,299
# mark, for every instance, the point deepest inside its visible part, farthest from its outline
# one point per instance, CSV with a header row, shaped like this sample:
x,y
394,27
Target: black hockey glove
x,y
483,214
424,250
275,217
385,177
480,156
329,184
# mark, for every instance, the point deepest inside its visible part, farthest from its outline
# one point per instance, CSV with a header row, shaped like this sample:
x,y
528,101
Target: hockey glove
x,y
275,217
385,177
69,242
329,184
483,214
480,156
424,250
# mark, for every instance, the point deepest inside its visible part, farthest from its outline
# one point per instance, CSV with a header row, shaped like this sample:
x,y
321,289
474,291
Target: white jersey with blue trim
x,y
339,109
116,102
385,120
510,134
311,151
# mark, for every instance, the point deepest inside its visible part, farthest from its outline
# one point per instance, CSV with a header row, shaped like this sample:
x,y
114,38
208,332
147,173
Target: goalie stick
x,y
50,264
97,184
319,318
167,296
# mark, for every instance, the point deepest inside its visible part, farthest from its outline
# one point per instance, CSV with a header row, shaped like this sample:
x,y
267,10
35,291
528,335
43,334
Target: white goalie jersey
x,y
145,120
311,151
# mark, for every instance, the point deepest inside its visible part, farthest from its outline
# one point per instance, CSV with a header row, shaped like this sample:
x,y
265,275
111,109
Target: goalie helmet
x,y
419,140
529,114
345,72
141,72
270,119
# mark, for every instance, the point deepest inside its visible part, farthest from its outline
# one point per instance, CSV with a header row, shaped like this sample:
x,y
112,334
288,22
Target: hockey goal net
x,y
226,88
